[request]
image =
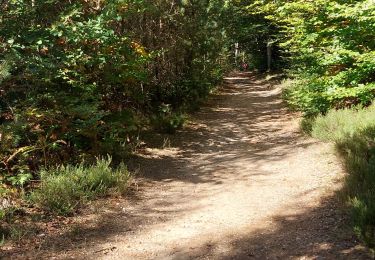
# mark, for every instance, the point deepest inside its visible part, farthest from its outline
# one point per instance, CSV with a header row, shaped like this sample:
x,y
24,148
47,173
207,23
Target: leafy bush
x,y
167,121
329,48
315,96
64,188
82,79
353,131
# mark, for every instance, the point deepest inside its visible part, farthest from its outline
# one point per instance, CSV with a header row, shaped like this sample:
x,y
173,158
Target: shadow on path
x,y
239,182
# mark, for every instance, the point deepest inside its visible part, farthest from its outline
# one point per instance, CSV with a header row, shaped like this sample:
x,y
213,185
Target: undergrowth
x,y
66,187
353,132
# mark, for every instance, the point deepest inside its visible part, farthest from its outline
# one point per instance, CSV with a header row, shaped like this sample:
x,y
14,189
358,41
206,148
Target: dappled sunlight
x,y
219,129
303,235
239,181
236,78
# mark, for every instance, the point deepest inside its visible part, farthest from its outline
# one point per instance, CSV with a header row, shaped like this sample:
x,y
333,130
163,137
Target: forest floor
x,y
240,181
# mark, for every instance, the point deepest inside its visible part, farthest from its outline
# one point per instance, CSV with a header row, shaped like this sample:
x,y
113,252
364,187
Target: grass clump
x,y
341,124
353,131
66,187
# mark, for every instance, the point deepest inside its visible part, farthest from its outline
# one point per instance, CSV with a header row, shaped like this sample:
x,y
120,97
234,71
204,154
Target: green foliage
x,y
5,67
7,213
64,188
81,79
58,96
166,121
353,131
329,46
337,125
20,179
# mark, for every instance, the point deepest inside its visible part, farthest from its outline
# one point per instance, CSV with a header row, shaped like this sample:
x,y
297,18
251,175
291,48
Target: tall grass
x,y
353,131
66,187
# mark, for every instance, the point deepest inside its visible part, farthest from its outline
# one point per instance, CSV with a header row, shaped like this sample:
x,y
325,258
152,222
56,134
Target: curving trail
x,y
239,182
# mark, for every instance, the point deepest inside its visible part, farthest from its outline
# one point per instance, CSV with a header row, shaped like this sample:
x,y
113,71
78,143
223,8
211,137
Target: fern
x,y
5,67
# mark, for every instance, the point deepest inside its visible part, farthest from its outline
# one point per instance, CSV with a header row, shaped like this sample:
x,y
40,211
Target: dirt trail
x,y
240,182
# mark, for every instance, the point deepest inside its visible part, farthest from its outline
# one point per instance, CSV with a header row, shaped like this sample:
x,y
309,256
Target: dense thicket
x,y
81,78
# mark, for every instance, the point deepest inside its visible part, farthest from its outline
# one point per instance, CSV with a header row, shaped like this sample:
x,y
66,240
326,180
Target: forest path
x,y
239,182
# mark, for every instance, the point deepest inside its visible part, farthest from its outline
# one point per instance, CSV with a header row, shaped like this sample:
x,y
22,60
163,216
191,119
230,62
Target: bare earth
x,y
239,182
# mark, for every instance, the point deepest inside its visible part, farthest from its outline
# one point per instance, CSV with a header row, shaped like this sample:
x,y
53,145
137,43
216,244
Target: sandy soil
x,y
239,182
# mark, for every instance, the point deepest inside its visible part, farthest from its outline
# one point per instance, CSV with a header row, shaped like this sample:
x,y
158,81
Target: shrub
x,y
167,121
340,124
82,79
330,49
64,188
353,131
